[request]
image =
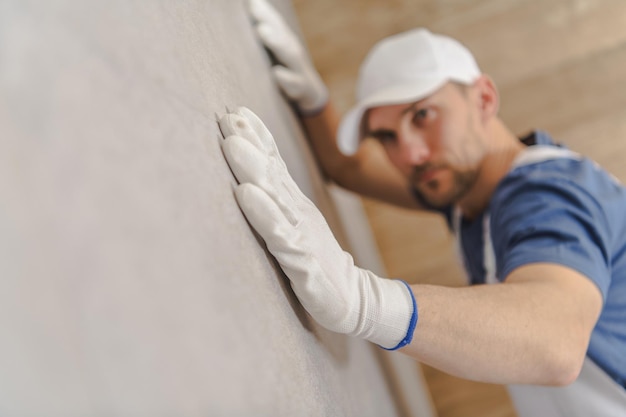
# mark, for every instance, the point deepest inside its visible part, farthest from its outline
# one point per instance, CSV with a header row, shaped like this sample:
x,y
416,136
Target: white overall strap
x,y
489,255
456,229
541,153
489,260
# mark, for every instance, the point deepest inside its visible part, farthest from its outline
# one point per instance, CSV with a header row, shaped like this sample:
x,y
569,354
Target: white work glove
x,y
297,78
338,295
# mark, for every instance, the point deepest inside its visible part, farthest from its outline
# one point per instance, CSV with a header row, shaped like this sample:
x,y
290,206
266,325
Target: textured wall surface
x,y
130,283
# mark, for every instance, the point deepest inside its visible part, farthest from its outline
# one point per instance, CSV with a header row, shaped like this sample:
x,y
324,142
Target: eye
x,y
384,136
422,116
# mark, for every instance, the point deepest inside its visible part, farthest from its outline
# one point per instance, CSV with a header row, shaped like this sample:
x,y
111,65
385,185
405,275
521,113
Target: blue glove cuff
x,y
409,334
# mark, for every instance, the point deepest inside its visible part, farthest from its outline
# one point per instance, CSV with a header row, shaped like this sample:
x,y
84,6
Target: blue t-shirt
x,y
564,211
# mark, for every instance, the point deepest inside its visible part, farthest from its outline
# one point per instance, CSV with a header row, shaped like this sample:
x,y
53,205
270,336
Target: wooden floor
x,y
560,65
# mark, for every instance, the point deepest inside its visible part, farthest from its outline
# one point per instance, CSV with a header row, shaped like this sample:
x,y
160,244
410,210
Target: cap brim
x,y
348,135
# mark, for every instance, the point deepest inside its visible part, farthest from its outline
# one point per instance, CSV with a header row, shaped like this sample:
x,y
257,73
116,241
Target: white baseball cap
x,y
404,68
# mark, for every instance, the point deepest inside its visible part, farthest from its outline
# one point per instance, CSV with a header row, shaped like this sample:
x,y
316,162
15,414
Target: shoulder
x,y
547,176
571,180
551,211
551,193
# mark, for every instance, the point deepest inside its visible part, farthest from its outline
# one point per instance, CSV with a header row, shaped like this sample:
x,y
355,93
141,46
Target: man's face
x,y
436,143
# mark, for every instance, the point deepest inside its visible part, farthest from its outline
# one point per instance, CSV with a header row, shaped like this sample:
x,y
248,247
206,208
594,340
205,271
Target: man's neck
x,y
503,148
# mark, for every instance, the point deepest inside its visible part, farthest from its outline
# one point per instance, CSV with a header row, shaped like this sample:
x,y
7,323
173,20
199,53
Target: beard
x,y
430,193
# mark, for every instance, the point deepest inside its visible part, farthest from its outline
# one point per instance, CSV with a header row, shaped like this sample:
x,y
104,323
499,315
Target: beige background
x,y
560,65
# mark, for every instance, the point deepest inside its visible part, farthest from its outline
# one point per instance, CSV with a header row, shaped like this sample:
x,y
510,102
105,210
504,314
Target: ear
x,y
489,100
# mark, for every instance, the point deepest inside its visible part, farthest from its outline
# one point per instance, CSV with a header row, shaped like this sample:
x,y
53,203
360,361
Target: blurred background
x,y
560,66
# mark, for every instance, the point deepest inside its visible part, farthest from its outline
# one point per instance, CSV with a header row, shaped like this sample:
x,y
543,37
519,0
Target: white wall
x,y
130,282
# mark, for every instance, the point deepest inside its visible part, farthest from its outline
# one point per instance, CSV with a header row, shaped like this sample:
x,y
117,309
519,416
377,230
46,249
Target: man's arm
x,y
367,172
534,328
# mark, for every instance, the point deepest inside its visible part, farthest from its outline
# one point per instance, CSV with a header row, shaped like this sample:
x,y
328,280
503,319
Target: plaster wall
x,y
130,282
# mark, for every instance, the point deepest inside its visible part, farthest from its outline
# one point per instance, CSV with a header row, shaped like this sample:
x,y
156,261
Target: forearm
x,y
533,332
368,172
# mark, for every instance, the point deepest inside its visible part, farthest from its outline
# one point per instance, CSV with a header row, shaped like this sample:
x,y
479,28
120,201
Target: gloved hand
x,y
297,78
338,295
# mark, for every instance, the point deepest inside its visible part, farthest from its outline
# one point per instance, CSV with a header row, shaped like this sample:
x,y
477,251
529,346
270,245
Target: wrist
x,y
390,313
408,336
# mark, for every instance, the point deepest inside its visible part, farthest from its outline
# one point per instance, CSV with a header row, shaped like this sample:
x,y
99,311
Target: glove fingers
x,y
272,29
292,83
269,37
263,11
245,160
244,123
266,217
307,278
250,125
281,239
280,43
250,165
234,124
268,145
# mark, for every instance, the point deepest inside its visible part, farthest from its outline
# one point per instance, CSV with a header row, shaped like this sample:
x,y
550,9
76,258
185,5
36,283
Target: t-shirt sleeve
x,y
550,220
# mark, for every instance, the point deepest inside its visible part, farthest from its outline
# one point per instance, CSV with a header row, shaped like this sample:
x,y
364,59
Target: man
x,y
542,220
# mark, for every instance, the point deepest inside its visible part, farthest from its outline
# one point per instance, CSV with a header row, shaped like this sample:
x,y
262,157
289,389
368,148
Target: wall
x,y
131,283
